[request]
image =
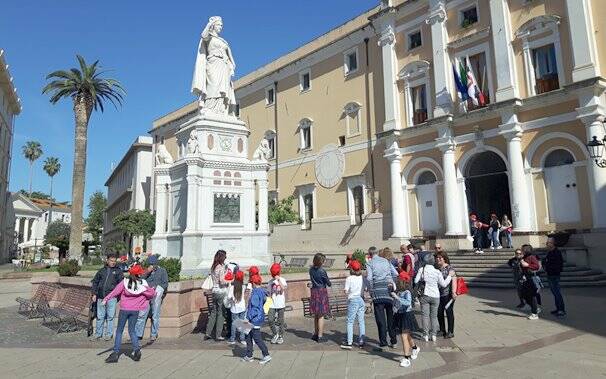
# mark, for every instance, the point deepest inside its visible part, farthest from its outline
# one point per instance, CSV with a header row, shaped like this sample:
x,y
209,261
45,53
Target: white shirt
x,y
237,307
276,288
354,286
433,277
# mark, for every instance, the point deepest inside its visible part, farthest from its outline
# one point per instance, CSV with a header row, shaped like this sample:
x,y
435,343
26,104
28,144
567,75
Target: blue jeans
x,y
105,313
131,317
495,239
509,239
155,305
554,286
234,317
255,334
355,308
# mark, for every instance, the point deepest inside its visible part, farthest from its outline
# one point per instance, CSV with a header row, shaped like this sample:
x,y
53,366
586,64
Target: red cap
x,y
274,270
404,276
253,270
355,265
136,270
256,279
123,258
229,276
240,276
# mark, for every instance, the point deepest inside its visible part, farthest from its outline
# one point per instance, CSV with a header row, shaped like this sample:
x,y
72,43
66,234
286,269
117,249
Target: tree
x,y
57,234
96,206
136,223
36,195
51,167
282,211
32,150
88,91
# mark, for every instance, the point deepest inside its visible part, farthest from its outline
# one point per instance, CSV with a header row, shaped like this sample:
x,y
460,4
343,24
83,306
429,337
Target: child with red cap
x,y
404,318
277,285
354,289
256,316
237,305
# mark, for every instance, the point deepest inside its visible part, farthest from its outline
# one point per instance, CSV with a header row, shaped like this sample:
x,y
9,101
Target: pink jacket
x,y
131,300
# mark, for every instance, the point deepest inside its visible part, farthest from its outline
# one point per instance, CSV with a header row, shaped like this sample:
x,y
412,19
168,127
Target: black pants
x,y
384,318
449,314
255,334
520,293
530,295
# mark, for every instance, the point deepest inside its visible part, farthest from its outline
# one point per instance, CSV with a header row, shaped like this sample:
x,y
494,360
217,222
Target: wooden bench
x,y
70,310
37,304
337,301
298,262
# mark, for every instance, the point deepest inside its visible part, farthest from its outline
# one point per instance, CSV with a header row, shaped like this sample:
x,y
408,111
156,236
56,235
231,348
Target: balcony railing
x,y
547,83
419,116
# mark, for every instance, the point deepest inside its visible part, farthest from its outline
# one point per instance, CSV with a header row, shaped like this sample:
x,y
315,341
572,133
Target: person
x,y
104,282
318,303
156,277
256,316
404,318
216,319
506,228
235,296
439,248
448,295
530,265
276,288
475,229
134,294
554,264
527,249
430,296
354,289
408,260
381,274
388,254
495,228
516,269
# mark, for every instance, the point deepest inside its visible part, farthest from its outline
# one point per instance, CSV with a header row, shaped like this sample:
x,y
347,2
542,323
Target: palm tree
x,y
52,167
88,90
32,150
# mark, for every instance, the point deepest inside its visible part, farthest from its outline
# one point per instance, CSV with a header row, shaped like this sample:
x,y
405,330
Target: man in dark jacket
x,y
104,282
156,277
553,264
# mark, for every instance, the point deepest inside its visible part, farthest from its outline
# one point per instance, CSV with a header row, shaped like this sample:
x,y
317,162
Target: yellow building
x,y
369,133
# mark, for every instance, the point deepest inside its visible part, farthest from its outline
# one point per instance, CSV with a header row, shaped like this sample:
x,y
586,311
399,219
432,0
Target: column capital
x,y
511,131
446,144
388,36
392,150
437,14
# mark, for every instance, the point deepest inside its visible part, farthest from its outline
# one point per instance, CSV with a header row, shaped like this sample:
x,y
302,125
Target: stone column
x,y
441,62
452,206
191,223
408,102
26,230
161,193
528,67
399,217
18,225
387,41
583,42
504,56
263,204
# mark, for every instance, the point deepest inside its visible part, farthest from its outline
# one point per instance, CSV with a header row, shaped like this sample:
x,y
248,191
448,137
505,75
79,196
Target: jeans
x,y
429,308
449,314
509,239
277,327
495,239
234,331
255,334
131,316
155,306
355,308
105,313
216,318
384,318
554,286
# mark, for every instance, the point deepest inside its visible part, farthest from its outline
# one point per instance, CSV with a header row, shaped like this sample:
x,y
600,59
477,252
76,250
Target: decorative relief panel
x,y
330,166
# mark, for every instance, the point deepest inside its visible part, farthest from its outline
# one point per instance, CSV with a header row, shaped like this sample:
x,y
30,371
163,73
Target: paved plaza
x,y
492,340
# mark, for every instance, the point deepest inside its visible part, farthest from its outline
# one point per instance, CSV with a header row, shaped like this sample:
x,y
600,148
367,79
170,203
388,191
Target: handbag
x,y
208,283
461,286
420,289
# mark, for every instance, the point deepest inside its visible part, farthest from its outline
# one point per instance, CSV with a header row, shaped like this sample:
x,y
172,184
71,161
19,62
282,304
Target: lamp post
x,y
596,150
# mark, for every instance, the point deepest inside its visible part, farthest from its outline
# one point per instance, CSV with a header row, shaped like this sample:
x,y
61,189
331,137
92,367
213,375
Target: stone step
x,y
499,278
597,283
572,271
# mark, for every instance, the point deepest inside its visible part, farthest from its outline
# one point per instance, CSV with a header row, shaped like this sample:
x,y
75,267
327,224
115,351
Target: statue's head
x,y
215,24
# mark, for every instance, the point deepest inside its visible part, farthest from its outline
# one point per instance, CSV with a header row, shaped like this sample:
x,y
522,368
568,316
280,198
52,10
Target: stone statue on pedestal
x,y
262,152
192,144
213,71
163,156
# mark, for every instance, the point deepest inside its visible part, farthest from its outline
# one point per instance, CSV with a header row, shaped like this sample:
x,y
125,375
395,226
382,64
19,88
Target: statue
x,y
192,144
262,153
163,156
213,71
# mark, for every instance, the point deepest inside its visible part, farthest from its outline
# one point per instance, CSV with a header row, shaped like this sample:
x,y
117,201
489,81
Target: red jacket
x,y
533,263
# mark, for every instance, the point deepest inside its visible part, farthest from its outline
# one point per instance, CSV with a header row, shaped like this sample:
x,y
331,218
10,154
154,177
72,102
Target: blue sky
x,y
150,47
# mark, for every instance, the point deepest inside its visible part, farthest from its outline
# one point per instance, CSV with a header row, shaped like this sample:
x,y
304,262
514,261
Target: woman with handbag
x,y
219,291
530,265
448,295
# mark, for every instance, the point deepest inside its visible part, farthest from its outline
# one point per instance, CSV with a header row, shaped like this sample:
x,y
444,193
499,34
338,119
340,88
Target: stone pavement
x,y
492,340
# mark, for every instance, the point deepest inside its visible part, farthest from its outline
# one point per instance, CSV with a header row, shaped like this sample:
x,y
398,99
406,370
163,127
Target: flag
x,y
473,90
461,88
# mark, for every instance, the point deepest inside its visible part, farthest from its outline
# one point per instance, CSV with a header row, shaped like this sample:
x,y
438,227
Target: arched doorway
x,y
427,199
561,186
487,186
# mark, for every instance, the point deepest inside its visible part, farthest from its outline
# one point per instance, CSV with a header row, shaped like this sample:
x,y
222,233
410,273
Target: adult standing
x,y
530,265
514,263
381,275
428,279
216,318
553,263
495,228
527,249
157,278
408,260
318,303
448,295
104,282
506,227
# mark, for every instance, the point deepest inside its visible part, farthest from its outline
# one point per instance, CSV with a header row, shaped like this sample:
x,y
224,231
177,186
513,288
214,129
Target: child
x,y
235,296
256,316
404,319
354,288
134,297
277,285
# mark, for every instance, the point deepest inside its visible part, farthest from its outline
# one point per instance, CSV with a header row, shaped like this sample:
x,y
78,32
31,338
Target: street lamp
x,y
596,150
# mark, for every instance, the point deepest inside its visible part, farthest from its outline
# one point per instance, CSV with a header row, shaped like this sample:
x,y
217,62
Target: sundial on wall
x,y
330,165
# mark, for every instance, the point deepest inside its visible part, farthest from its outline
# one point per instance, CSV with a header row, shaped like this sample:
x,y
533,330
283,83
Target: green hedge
x,y
172,267
68,268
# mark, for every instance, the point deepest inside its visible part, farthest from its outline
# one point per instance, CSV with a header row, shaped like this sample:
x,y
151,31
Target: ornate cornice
x,y
438,14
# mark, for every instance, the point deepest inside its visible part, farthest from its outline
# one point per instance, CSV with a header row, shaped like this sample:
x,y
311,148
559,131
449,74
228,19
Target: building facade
x,y
10,106
32,217
414,157
128,187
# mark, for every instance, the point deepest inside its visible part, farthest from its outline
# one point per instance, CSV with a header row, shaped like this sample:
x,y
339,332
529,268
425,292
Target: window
x,y
341,140
272,146
469,16
308,203
545,69
427,177
415,78
351,61
352,118
305,134
270,96
414,40
419,104
358,197
305,81
307,199
559,157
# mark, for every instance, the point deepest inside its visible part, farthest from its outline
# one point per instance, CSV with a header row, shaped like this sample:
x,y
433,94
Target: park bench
x,y
298,262
37,304
337,301
69,311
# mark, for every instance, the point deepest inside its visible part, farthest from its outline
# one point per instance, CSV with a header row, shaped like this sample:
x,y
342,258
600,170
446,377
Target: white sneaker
x,y
433,338
265,359
280,340
499,247
415,353
274,339
426,338
533,316
405,362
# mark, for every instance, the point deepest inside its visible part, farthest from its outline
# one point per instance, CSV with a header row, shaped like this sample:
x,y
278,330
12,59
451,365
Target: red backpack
x,y
461,286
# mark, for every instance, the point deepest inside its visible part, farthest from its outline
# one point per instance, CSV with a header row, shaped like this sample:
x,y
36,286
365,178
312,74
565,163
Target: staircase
x,y
491,270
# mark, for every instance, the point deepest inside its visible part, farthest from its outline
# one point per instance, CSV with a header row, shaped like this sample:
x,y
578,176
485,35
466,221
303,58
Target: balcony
x,y
419,116
547,83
